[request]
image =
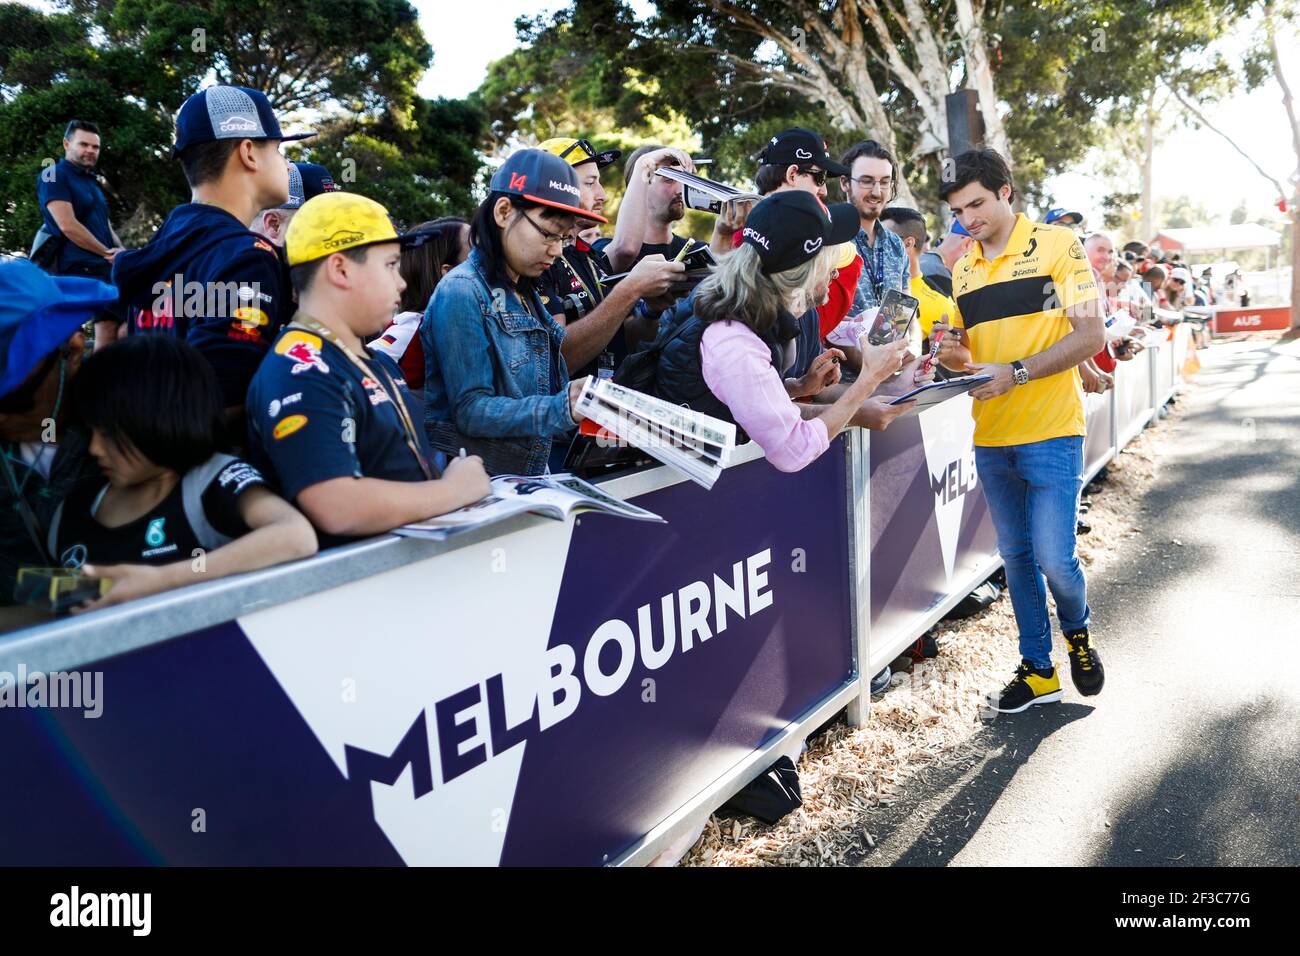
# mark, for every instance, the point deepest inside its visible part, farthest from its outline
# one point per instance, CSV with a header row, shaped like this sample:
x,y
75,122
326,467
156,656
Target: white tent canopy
x,y
1246,235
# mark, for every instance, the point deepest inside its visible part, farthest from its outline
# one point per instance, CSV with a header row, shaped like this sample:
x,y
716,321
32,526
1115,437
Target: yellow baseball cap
x,y
335,222
578,151
848,252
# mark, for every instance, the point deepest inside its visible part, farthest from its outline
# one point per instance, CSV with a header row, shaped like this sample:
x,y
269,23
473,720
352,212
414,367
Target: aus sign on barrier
x,y
1269,318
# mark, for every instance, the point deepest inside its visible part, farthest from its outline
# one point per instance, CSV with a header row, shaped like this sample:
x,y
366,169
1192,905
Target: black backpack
x,y
46,248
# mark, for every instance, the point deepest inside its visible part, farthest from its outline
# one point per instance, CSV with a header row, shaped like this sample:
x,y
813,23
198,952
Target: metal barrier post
x,y
1114,420
859,516
1154,390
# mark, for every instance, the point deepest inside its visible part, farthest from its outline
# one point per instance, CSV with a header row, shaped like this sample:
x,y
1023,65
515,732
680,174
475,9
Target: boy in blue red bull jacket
x,y
205,276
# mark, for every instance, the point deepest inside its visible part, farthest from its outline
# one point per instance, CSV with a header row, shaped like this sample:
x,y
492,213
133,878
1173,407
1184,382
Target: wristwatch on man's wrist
x,y
1020,373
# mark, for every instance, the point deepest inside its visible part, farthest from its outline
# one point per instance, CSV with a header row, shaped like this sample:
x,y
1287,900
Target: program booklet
x,y
693,443
552,496
703,193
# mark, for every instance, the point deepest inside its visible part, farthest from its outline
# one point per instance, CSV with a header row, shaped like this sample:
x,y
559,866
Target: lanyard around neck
x,y
591,295
379,373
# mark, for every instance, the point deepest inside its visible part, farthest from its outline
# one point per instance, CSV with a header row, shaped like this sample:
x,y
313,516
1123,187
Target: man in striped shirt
x,y
1028,314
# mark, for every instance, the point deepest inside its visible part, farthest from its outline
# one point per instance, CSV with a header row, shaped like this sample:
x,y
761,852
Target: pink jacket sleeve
x,y
738,369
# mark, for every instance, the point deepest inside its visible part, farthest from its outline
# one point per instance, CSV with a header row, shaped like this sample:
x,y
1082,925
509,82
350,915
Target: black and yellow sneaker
x,y
1085,664
1030,686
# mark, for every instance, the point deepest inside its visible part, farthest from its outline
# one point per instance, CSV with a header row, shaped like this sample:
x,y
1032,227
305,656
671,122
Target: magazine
x,y
695,444
704,194
551,496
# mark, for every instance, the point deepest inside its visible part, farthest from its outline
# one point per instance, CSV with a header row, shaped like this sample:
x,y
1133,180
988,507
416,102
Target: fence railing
x,y
580,692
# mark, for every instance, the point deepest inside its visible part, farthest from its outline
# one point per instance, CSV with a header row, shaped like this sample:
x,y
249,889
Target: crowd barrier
x,y
539,692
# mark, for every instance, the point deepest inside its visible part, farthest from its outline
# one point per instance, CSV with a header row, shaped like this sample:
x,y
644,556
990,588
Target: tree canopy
x,y
348,67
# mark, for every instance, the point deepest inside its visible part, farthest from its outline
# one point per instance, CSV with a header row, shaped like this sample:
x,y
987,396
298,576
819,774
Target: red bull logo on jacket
x,y
303,349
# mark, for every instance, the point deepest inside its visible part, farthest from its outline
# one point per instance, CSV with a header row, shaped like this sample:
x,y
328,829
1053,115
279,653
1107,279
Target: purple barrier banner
x,y
930,525
547,696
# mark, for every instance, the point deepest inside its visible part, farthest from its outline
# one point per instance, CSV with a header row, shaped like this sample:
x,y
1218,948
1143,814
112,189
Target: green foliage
x,y
129,64
1181,212
1060,66
419,170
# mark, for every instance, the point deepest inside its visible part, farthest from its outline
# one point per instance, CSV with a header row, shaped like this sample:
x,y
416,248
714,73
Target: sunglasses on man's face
x,y
818,175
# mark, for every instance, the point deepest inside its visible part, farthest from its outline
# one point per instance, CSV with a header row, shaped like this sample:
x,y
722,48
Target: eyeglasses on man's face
x,y
867,184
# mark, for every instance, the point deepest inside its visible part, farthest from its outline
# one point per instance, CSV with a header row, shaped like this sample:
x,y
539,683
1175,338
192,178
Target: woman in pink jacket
x,y
784,266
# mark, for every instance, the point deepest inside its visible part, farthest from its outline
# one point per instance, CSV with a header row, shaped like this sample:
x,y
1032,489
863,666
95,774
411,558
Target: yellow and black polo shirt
x,y
1014,307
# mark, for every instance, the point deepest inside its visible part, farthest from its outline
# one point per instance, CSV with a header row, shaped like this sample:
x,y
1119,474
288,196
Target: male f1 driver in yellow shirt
x,y
1028,314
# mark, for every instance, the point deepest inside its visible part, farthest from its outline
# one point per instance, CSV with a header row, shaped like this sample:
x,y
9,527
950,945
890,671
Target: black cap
x,y
790,227
800,147
307,181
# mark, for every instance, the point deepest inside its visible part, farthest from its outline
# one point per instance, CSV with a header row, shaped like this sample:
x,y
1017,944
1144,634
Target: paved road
x,y
1191,754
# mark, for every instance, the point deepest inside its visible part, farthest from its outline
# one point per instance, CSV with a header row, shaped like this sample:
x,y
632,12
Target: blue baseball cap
x,y
307,181
227,112
39,312
958,229
543,178
1061,214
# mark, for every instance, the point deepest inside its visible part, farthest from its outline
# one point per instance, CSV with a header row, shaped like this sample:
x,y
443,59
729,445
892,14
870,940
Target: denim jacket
x,y
495,383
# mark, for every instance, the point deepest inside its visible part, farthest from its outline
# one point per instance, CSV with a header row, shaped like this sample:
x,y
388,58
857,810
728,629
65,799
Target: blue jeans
x,y
1033,494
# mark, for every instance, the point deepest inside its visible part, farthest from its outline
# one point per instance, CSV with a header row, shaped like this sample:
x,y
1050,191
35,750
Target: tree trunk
x,y
1145,226
1294,212
980,72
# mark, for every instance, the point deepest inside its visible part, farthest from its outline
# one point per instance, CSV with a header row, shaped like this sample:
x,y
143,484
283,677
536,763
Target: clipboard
x,y
936,392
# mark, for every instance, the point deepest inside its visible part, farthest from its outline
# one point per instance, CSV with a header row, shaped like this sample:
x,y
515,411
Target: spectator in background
x,y
1154,281
170,509
75,210
433,249
183,282
937,265
306,181
1060,216
1130,293
934,306
496,382
43,451
1207,285
1176,287
330,420
650,206
871,183
1097,373
1135,251
785,265
599,329
800,159
737,383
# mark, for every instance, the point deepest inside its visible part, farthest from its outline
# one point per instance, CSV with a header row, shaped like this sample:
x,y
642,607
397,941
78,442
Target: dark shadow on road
x,y
914,832
1230,798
